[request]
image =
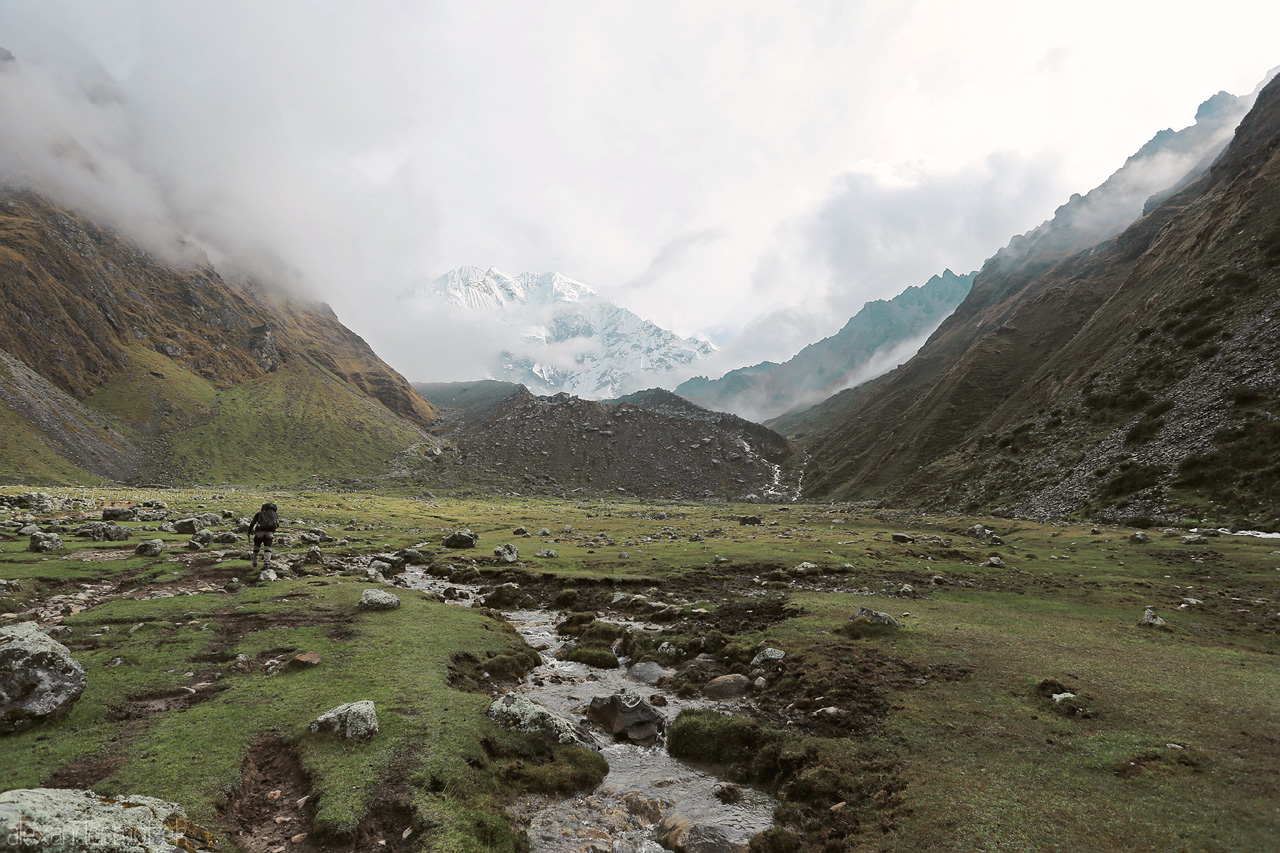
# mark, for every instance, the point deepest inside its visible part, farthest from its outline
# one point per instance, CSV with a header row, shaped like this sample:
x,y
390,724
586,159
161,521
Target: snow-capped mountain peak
x,y
569,338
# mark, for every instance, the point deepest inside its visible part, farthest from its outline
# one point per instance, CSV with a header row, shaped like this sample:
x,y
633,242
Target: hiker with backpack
x,y
263,528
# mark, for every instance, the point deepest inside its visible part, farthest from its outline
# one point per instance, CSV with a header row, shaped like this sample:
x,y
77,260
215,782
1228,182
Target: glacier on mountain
x,y
562,335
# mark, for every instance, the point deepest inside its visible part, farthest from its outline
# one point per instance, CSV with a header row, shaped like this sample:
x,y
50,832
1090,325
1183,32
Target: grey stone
x,y
649,672
993,562
627,716
522,714
119,513
768,657
188,526
413,557
227,538
314,556
43,543
149,548
1195,539
546,531
1150,618
507,553
875,617
547,553
1139,538
377,599
461,539
267,576
977,531
903,538
28,530
508,596
727,687
706,838
353,721
210,519
519,531
39,680
71,821
168,527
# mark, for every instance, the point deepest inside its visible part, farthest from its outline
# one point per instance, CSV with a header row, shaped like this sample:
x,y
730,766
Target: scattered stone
x,y
903,538
44,543
377,599
314,556
522,714
461,539
119,513
992,562
507,553
720,559
62,821
1150,618
188,526
874,617
353,721
649,672
1139,538
519,531
1195,539
149,548
727,687
628,717
547,553
39,680
1191,602
768,657
759,684
750,520
568,530
546,531
267,576
306,660
227,538
978,532
508,596
413,557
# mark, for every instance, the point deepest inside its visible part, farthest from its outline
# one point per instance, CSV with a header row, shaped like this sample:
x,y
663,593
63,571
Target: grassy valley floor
x,y
941,734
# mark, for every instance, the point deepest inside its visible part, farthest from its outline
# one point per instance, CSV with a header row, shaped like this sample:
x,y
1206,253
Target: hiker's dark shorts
x,y
261,540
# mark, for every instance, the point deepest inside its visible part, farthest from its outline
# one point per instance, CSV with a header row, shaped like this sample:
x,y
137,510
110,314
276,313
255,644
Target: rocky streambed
x,y
649,801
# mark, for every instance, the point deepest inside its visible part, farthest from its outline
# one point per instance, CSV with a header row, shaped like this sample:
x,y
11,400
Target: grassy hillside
x,y
291,425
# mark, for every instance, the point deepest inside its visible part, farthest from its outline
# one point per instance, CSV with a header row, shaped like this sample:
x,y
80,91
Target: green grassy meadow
x,y
939,735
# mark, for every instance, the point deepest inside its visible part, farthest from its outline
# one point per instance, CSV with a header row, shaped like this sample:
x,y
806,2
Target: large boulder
x,y
648,673
102,531
377,599
727,687
69,821
873,617
461,539
627,716
353,721
149,548
508,596
188,526
44,543
119,513
522,714
39,680
507,553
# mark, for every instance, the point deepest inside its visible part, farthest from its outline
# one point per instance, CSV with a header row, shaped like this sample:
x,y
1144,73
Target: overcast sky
x,y
686,159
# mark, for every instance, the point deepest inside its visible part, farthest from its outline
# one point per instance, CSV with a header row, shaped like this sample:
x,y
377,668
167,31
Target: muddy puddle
x,y
643,783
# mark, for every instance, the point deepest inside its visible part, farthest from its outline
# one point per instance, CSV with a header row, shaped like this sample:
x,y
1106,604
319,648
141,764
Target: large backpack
x,y
269,521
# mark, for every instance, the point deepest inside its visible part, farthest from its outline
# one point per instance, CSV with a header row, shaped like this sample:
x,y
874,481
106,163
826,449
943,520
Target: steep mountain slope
x,y
1136,377
846,358
114,359
565,336
651,444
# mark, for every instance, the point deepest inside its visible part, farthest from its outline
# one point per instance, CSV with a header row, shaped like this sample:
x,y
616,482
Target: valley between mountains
x,y
1019,592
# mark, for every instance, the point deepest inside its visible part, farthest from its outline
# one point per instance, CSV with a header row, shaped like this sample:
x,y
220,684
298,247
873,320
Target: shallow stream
x,y
642,781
